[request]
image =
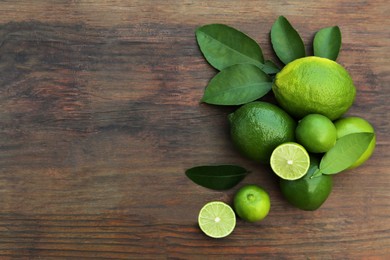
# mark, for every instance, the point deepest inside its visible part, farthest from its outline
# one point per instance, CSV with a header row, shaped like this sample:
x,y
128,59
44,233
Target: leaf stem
x,y
316,174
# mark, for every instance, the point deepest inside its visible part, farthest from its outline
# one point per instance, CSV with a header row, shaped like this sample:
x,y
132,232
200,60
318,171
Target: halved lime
x,y
290,161
217,219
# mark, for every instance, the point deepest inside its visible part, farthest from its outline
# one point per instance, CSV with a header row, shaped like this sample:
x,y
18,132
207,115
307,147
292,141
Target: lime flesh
x,y
290,161
217,219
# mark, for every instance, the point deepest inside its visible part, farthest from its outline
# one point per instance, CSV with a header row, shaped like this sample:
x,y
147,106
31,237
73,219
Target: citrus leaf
x,y
327,42
286,42
270,67
347,150
223,46
236,85
218,177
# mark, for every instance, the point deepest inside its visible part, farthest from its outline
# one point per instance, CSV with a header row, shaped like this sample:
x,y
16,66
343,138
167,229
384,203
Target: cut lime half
x,y
290,161
217,219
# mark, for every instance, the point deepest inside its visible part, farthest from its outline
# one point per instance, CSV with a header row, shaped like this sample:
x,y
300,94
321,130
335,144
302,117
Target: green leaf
x,y
286,42
219,177
223,46
327,42
236,85
270,67
347,150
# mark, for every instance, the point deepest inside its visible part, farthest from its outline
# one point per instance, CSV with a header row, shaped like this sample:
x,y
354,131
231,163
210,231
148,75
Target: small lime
x,y
316,133
290,161
217,219
252,203
353,124
308,193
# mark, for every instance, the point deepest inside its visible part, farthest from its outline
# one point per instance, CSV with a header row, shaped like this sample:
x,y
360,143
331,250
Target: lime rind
x,y
314,85
217,219
290,161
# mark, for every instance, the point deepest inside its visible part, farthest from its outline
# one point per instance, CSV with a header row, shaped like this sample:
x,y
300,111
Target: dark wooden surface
x,y
100,117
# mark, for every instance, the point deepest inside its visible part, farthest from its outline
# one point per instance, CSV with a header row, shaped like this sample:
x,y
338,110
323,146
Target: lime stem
x,y
250,197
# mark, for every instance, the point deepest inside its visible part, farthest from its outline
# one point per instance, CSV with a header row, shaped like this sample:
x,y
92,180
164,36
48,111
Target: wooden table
x,y
100,117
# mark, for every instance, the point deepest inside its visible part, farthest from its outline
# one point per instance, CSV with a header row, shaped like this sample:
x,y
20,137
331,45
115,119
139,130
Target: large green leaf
x,y
286,42
236,85
223,46
218,177
327,42
347,150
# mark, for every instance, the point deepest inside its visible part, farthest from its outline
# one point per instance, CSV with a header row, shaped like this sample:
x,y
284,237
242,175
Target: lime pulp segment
x,y
217,219
290,161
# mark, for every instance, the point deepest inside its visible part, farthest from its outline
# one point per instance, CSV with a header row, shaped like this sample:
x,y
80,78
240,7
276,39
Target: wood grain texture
x,y
100,117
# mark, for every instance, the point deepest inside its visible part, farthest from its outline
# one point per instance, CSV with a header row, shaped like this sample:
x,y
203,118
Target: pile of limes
x,y
312,94
297,135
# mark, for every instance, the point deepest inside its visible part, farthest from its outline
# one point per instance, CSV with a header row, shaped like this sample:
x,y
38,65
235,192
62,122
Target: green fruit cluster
x,y
312,94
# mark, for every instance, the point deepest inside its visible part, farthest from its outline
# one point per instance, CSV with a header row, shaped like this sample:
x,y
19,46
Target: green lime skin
x,y
308,193
257,128
316,133
314,85
354,124
252,203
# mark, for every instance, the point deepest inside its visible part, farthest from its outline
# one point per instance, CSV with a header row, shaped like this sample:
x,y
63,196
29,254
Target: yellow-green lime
x,y
314,85
290,161
316,133
252,203
217,219
257,128
308,193
354,124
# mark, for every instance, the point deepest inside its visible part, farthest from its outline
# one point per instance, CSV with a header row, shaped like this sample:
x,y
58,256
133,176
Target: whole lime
x,y
353,124
252,203
308,193
257,128
316,133
314,85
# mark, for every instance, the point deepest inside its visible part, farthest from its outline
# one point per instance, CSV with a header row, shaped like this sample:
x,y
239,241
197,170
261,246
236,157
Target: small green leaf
x,y
270,67
236,85
219,177
327,42
345,152
286,42
223,46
